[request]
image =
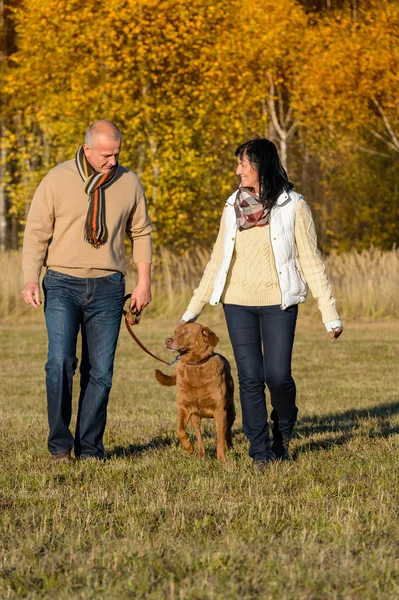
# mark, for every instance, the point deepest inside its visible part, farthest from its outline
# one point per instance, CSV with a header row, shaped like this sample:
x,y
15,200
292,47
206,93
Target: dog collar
x,y
200,362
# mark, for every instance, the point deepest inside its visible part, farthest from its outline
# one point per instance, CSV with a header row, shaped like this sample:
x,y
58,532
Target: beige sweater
x,y
54,233
252,279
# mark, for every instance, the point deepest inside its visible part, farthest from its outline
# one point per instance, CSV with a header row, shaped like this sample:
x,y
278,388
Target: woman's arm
x,y
314,267
202,294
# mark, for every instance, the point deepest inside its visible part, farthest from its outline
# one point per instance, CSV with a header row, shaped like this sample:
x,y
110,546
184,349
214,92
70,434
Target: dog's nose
x,y
168,341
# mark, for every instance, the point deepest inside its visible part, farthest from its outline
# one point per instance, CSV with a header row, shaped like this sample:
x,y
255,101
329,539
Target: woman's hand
x,y
335,333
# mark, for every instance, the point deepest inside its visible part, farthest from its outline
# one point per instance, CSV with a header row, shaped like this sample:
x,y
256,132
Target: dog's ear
x,y
211,337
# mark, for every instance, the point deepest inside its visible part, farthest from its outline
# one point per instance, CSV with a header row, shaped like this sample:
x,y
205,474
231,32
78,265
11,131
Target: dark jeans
x,y
95,307
249,328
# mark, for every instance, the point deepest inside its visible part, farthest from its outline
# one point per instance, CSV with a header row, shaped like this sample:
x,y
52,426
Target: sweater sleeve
x,y
202,294
38,231
312,264
138,228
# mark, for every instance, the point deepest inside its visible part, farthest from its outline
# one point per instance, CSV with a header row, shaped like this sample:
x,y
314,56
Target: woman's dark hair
x,y
263,157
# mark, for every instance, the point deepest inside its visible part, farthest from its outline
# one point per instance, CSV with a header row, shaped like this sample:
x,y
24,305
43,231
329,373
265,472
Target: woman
x,y
264,258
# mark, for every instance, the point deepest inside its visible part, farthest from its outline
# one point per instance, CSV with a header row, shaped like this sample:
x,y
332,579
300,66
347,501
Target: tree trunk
x,y
354,9
3,198
283,124
3,203
283,151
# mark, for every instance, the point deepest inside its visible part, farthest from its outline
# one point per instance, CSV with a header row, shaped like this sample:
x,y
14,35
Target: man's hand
x,y
31,294
141,297
335,333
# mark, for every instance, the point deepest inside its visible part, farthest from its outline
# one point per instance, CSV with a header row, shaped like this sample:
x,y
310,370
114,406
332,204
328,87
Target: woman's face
x,y
247,174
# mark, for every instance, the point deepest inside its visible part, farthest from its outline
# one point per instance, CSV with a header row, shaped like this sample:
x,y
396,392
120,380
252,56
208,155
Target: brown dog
x,y
205,387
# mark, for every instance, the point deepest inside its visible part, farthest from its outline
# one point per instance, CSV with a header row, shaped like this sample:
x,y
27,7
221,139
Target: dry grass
x,y
156,523
365,283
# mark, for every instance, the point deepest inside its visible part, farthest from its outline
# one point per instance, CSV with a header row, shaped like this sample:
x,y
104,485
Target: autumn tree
x,y
267,48
347,92
7,47
189,81
151,69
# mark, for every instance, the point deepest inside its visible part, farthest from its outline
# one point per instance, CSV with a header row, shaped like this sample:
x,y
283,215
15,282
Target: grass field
x,y
154,522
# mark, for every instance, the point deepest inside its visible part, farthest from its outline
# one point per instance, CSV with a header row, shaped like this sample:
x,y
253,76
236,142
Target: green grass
x,y
154,522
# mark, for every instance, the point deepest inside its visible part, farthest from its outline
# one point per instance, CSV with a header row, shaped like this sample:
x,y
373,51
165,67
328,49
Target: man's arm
x,y
38,231
139,231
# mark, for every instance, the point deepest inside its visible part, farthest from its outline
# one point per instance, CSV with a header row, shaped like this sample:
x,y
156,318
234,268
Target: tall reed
x,y
365,283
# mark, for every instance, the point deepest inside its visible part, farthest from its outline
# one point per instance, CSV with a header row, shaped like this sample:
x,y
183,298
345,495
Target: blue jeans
x,y
93,306
250,328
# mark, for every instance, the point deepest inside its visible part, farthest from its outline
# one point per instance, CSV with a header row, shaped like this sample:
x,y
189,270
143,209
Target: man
x,y
76,227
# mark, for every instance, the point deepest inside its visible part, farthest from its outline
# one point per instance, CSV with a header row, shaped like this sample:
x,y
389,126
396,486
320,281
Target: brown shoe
x,y
259,465
61,457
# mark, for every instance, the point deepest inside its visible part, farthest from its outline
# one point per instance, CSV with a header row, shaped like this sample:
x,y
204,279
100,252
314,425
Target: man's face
x,y
103,154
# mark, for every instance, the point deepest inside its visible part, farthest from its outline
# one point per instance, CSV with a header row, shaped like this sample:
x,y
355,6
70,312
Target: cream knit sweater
x,y
252,279
54,233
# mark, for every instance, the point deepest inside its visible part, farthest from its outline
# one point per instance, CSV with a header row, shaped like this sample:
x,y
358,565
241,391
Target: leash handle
x,y
128,314
129,321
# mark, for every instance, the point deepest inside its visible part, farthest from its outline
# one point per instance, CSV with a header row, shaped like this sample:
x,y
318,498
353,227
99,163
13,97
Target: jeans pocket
x,y
115,277
52,278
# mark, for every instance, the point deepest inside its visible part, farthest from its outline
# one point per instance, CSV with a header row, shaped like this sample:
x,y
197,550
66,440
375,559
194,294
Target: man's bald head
x,y
102,145
102,129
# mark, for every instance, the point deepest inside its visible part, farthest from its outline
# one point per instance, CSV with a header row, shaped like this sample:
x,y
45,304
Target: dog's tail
x,y
165,379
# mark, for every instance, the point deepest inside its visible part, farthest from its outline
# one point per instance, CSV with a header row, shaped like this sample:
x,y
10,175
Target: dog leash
x,y
133,318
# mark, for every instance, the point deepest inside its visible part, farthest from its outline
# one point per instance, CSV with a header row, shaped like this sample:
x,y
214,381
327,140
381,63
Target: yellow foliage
x,y
187,81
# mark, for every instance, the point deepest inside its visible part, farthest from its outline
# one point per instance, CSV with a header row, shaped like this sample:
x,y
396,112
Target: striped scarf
x,y
94,185
249,211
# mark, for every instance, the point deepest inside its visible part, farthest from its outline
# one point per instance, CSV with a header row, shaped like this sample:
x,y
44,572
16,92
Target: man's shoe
x,y
61,457
280,448
260,464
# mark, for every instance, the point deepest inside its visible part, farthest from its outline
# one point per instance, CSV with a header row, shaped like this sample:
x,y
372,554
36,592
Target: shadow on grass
x,y
164,442
339,429
137,449
344,426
